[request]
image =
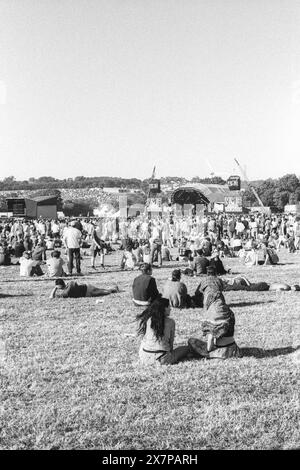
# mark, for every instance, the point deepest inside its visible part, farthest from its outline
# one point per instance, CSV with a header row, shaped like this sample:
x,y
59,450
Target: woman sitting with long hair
x,y
158,332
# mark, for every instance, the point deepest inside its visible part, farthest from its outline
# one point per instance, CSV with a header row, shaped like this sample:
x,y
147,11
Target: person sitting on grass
x,y
210,282
28,266
74,290
144,287
18,248
5,259
271,255
216,262
176,291
166,254
129,260
55,265
200,263
217,330
158,332
39,252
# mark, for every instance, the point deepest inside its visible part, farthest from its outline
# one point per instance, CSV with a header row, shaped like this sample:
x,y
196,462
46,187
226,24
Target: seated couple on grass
x,y
176,292
145,290
158,333
266,255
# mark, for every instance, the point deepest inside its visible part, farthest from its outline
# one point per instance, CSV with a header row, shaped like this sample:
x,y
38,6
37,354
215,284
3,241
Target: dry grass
x,y
70,376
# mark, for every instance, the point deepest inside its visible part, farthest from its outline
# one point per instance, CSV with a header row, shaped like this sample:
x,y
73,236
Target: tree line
x,y
274,193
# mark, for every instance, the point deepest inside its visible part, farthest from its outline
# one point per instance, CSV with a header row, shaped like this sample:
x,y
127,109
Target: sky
x,y
114,87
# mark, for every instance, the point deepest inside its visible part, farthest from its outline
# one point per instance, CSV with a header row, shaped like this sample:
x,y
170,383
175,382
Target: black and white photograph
x,y
149,228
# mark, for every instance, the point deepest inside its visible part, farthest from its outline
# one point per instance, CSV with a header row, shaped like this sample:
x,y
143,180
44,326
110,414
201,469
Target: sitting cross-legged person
x,y
217,329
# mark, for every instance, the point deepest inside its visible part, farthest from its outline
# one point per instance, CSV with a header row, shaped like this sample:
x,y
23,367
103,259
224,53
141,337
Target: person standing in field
x,y
72,241
97,246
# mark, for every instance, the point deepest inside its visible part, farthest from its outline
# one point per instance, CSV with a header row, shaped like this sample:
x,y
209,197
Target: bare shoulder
x,y
170,322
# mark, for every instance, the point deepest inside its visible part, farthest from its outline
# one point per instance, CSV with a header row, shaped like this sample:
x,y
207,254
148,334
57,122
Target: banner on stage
x,y
233,203
154,204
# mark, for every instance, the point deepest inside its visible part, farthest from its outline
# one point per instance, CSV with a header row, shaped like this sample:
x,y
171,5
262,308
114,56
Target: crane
x,y
250,185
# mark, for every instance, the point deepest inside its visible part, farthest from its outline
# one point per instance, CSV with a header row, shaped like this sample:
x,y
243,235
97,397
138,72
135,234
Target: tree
x,y
9,179
281,198
295,197
3,204
289,183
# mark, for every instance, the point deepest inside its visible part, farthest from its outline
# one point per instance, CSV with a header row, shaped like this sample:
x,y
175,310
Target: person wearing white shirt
x,y
72,241
55,228
28,266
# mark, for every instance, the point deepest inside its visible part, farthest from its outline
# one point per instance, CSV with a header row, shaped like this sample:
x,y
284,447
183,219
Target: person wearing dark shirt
x,y
39,252
200,263
4,256
74,290
19,248
144,287
28,244
78,225
217,264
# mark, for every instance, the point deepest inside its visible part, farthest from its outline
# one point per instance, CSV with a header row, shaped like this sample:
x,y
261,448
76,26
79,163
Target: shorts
x,y
89,290
96,250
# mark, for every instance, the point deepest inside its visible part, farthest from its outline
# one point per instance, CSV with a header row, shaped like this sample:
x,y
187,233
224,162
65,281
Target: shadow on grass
x,y
281,264
261,353
3,296
248,304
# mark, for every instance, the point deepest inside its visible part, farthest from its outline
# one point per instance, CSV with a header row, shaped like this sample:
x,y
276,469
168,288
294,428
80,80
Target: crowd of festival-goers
x,y
198,243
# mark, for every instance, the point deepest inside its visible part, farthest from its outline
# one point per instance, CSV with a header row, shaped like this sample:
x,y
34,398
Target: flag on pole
x,y
153,172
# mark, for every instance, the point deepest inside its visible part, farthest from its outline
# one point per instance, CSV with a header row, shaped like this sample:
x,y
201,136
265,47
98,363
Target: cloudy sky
x,y
112,87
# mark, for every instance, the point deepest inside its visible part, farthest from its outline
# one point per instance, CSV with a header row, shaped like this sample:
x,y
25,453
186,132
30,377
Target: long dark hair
x,y
155,311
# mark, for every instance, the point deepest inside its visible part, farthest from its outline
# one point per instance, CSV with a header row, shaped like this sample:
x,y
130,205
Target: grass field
x,y
70,376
